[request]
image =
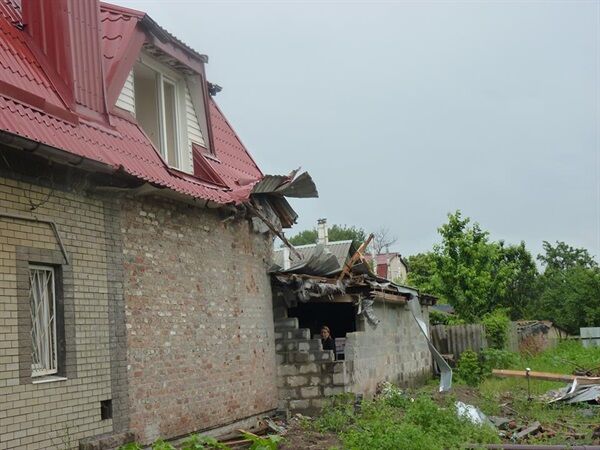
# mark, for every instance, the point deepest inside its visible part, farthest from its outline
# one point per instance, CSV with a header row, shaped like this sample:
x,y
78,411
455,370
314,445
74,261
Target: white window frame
x,y
43,321
165,74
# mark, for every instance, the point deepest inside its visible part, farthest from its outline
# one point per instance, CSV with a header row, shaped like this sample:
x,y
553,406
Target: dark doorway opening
x,y
339,317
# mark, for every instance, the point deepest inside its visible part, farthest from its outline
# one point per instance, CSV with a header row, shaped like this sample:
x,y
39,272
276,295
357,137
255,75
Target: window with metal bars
x,y
42,300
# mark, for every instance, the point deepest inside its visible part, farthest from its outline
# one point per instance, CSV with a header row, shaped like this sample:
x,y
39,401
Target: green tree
x,y
304,237
335,233
345,233
473,273
521,274
466,264
570,288
563,257
422,273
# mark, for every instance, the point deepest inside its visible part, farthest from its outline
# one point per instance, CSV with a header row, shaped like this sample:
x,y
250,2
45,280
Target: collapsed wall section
x,y
395,350
200,335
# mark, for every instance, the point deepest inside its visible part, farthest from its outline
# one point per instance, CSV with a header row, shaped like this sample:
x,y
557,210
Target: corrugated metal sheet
x,y
235,165
340,249
87,54
590,336
18,66
456,339
117,28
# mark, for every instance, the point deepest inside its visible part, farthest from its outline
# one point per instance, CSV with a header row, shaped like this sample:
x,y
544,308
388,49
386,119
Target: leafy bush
x,y
131,446
199,442
393,395
419,424
263,442
492,358
338,415
193,442
468,370
496,325
162,445
437,317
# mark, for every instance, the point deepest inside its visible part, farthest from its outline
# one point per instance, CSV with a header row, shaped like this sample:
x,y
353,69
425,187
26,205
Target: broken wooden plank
x,y
357,256
545,376
533,428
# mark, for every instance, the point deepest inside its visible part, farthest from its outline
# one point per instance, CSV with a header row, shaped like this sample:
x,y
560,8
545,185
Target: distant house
x,y
390,265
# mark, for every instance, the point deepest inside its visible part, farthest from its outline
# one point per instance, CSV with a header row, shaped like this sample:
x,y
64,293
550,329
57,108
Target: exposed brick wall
x,y
55,414
199,319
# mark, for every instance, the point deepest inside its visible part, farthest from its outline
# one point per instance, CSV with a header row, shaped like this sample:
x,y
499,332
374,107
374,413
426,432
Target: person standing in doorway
x,y
326,339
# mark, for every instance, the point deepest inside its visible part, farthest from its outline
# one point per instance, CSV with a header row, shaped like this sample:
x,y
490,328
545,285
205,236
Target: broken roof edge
x,y
345,241
68,159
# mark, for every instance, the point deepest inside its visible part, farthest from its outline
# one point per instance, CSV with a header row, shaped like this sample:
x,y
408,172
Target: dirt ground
x,y
298,438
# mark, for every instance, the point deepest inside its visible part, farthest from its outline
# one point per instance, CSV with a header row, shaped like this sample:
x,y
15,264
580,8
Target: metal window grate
x,y
43,330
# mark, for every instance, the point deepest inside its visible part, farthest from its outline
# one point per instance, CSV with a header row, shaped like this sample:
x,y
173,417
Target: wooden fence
x,y
455,339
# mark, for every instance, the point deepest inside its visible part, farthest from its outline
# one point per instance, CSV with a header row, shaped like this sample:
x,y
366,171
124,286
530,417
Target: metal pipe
x,y
47,222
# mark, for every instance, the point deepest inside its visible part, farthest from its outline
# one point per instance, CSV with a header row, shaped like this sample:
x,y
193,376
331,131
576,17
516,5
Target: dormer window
x,y
160,109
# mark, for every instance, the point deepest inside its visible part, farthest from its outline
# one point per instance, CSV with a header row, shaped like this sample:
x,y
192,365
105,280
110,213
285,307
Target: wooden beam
x,y
342,298
545,376
357,256
391,298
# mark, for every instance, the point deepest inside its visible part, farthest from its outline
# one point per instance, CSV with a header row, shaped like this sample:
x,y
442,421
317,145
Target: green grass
x,y
505,396
426,419
400,421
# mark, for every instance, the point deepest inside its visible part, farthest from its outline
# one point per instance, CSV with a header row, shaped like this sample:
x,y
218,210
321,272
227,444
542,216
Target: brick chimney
x,y
66,38
322,232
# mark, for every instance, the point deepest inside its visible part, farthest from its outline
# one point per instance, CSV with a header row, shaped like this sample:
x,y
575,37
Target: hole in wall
x,y
106,409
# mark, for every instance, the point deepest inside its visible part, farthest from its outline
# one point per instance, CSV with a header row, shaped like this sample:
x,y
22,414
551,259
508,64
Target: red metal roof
x,y
123,145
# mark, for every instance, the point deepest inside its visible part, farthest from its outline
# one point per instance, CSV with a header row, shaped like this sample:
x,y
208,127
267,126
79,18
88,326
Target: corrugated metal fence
x,y
455,339
590,336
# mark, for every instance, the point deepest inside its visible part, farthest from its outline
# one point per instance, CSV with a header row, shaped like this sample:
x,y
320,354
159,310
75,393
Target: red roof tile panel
x,y
124,146
18,66
117,28
236,166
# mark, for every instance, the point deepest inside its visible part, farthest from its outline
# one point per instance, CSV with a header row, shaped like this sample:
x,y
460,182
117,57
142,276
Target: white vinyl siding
x,y
42,300
126,98
193,125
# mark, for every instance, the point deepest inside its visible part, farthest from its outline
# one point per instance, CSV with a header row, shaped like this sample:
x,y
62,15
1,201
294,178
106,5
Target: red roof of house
x,y
32,108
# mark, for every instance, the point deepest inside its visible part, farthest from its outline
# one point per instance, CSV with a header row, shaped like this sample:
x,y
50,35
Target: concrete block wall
x,y
307,375
199,320
55,414
395,350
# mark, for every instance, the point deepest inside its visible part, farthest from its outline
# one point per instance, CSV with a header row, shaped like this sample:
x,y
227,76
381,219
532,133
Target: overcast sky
x,y
404,111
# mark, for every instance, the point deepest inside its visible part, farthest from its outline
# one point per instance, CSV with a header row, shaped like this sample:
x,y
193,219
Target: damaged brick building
x,y
134,295
378,327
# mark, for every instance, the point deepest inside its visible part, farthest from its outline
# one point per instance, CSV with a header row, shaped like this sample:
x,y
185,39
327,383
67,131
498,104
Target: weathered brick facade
x,y
199,319
166,311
